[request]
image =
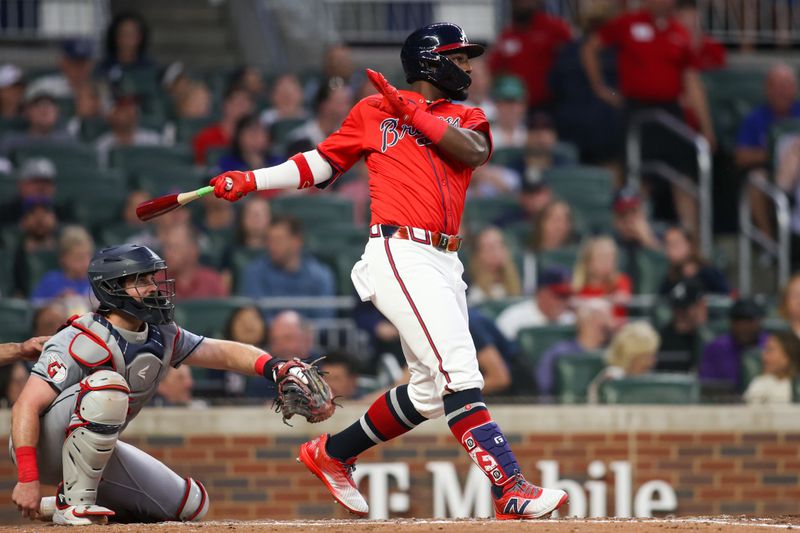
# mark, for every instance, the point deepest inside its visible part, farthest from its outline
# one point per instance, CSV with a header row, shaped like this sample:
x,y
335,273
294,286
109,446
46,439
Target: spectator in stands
x,y
48,318
355,188
576,108
236,104
12,89
550,305
597,274
75,250
684,336
331,105
123,118
75,70
175,389
528,47
286,101
38,227
496,355
12,380
480,88
752,144
552,230
722,357
337,63
657,64
174,79
36,179
126,45
632,231
789,308
508,130
132,200
685,262
253,223
593,322
89,117
246,325
710,53
249,147
217,219
192,280
341,373
781,361
41,113
284,270
194,102
493,275
632,352
251,79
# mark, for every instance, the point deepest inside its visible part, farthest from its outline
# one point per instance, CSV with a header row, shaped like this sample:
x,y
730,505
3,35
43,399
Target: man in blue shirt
x,y
752,144
284,270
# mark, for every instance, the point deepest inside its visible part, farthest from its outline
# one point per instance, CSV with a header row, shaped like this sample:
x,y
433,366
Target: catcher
x,y
93,378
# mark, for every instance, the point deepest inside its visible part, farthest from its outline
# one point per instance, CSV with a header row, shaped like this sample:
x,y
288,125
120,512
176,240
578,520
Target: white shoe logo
x,y
141,373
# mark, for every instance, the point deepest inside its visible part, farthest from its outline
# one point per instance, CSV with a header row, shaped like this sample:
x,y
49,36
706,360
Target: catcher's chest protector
x,y
98,345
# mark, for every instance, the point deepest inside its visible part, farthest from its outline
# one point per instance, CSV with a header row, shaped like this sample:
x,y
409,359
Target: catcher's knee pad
x,y
194,504
100,412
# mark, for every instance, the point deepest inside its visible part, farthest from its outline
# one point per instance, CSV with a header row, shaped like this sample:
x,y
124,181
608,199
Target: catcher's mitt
x,y
302,391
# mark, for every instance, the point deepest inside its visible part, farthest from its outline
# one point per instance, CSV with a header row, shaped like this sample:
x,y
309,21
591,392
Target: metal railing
x,y
750,235
701,191
52,19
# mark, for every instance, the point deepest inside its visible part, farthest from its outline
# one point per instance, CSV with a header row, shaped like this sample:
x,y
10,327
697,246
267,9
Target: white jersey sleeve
x,y
184,342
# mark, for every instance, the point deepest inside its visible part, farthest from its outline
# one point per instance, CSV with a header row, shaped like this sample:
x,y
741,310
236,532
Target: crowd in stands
x,y
577,280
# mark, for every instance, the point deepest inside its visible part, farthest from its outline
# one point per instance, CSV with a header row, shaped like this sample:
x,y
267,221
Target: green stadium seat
x,y
330,238
112,234
218,243
37,264
187,128
567,153
533,342
678,389
134,160
732,94
481,212
16,319
8,186
281,130
562,257
63,155
651,267
751,366
207,316
587,189
507,156
158,180
341,261
574,373
240,258
96,196
493,308
324,209
92,128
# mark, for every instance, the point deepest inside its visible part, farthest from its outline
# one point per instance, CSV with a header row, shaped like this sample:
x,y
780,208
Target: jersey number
x,y
53,367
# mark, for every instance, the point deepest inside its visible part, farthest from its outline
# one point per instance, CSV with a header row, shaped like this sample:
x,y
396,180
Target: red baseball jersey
x,y
529,54
411,183
652,57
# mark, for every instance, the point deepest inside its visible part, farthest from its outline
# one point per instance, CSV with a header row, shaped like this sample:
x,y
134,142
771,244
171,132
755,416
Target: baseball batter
x,y
420,149
92,379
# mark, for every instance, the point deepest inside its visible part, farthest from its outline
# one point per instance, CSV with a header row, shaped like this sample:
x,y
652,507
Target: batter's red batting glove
x,y
233,185
406,110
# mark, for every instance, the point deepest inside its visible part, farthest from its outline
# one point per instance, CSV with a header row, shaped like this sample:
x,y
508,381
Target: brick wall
x,y
252,476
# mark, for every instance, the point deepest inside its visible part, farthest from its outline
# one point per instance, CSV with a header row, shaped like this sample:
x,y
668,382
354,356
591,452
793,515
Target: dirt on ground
x,y
567,525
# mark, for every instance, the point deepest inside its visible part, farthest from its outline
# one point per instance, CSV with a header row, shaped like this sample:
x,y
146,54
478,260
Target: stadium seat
x,y
96,196
481,212
751,366
507,156
732,94
92,128
8,186
651,267
218,243
562,257
341,261
138,159
652,389
567,153
207,316
6,270
16,319
187,128
492,308
72,156
159,180
37,264
533,342
315,208
574,373
587,189
240,258
329,238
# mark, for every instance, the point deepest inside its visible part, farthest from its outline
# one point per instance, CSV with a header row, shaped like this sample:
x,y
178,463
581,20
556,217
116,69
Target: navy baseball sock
x,y
470,422
388,417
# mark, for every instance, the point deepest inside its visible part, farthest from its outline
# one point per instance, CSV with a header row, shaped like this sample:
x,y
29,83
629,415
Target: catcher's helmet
x,y
424,57
110,266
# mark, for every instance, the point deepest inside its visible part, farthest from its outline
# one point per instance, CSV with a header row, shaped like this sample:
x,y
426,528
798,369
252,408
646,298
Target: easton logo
x,y
391,134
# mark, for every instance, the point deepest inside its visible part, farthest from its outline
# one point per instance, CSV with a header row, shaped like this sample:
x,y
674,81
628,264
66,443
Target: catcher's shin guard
x,y
194,504
100,412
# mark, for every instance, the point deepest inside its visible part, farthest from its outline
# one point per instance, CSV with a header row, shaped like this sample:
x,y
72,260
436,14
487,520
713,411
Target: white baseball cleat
x,y
81,515
525,501
335,474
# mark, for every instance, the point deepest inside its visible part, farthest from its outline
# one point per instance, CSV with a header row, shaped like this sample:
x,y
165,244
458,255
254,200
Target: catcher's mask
x,y
424,57
115,267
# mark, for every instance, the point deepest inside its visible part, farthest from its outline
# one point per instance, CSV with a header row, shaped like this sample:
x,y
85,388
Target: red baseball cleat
x,y
525,501
335,474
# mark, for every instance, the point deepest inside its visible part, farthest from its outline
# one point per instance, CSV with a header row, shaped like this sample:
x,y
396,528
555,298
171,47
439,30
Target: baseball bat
x,y
164,204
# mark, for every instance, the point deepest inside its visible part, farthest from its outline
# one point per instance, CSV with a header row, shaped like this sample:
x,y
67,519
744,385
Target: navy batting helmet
x,y
424,57
109,268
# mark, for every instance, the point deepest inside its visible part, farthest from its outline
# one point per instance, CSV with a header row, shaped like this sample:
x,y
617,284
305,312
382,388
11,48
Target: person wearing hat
x,y
722,357
685,334
509,129
75,70
12,87
38,225
42,114
549,306
632,231
123,118
35,179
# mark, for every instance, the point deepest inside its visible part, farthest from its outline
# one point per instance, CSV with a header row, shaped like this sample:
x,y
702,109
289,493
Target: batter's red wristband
x,y
261,362
27,469
431,127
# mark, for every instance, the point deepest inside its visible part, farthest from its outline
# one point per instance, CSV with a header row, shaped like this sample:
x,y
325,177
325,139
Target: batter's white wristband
x,y
301,171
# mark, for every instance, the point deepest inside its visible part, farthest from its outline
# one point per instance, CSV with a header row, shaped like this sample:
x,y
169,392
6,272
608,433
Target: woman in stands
x,y
492,271
127,42
685,262
249,147
790,303
780,361
553,229
597,274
